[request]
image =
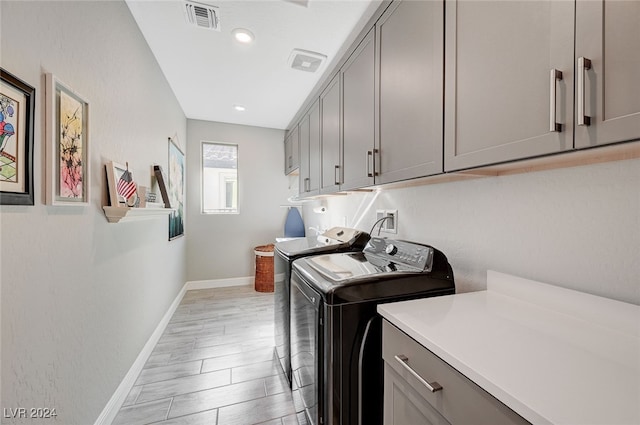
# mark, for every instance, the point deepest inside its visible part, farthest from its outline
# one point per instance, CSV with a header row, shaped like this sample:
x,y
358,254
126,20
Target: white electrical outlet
x,y
391,224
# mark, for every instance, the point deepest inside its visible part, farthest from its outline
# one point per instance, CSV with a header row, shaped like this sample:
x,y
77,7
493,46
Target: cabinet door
x,y
459,400
410,54
291,151
303,172
608,36
499,88
309,168
314,149
287,154
405,406
295,150
358,112
330,137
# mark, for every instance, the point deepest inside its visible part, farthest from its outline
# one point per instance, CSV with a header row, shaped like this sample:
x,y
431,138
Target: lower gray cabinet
x,y
405,406
420,388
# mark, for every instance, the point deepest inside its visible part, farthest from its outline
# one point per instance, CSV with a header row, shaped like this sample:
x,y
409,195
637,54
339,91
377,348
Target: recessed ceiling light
x,y
243,35
239,108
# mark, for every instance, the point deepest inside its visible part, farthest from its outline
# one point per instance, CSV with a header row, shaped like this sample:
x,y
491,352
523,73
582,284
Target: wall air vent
x,y
202,15
305,60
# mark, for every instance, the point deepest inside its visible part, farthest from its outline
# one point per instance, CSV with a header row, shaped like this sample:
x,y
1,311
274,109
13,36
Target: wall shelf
x,y
117,214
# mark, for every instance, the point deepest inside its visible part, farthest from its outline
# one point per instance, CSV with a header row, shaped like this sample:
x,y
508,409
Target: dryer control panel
x,y
401,252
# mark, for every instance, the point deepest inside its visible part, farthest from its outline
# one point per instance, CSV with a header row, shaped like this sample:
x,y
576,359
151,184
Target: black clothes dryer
x,y
336,338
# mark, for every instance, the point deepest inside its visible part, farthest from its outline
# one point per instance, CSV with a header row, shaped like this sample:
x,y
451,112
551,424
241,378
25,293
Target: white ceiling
x,y
210,72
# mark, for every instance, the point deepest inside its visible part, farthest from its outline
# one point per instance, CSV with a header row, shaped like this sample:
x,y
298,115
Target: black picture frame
x,y
24,145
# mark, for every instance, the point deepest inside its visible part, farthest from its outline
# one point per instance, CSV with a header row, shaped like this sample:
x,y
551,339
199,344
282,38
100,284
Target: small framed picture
x,y
176,189
17,107
67,134
122,187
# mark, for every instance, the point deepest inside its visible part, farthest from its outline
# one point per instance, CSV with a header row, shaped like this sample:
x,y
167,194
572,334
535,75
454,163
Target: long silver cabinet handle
x,y
554,75
431,386
337,175
369,160
584,64
306,186
376,171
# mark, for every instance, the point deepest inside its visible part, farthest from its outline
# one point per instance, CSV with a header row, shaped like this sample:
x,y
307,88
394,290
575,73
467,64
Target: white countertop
x,y
553,355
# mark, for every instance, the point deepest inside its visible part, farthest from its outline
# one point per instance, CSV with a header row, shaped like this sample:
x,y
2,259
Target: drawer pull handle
x,y
431,386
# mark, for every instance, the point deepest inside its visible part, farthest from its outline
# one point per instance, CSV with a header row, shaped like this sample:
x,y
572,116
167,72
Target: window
x,y
219,178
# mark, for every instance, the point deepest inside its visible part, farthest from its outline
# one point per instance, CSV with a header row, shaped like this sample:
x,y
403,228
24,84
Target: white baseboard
x,y
117,399
219,283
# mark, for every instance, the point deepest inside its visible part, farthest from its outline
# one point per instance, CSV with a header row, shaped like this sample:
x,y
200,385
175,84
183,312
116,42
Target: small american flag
x,y
126,186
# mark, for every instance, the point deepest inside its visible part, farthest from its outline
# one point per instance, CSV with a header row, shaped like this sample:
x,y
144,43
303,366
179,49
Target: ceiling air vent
x,y
202,15
305,60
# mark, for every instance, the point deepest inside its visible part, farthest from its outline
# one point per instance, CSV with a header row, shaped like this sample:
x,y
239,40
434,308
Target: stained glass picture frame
x,y
67,134
17,113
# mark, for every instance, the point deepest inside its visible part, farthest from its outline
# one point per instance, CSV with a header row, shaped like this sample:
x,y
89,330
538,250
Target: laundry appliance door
x,y
306,343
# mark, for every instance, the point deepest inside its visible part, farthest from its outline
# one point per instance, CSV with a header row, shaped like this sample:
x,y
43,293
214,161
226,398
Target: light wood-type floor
x,y
214,364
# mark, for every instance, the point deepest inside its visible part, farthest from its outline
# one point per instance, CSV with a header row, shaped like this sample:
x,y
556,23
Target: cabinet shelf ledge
x,y
117,214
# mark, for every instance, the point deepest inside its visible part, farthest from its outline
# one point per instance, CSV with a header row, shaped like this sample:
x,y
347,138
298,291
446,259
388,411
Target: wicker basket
x,y
264,268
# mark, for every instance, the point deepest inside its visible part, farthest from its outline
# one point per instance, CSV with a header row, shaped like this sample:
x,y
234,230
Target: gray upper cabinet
x,y
331,157
509,80
291,151
608,92
309,175
358,111
410,90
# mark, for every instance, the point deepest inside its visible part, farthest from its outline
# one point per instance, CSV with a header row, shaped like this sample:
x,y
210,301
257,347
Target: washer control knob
x,y
391,249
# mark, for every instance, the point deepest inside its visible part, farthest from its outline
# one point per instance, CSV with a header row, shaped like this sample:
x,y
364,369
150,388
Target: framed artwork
x,y
17,109
176,190
122,187
67,134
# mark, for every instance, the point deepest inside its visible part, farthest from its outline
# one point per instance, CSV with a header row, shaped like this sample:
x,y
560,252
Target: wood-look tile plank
x,y
132,396
140,414
172,347
172,371
209,330
290,420
194,325
254,371
212,341
244,358
207,352
157,359
271,422
277,384
188,384
203,418
256,411
217,397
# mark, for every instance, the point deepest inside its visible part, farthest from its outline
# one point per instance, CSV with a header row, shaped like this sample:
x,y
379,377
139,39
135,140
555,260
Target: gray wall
x,y
575,227
221,246
80,297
